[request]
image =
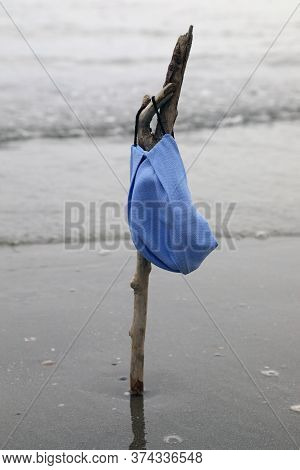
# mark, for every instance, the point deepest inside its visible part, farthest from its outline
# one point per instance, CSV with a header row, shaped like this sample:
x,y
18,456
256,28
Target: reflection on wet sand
x,y
137,422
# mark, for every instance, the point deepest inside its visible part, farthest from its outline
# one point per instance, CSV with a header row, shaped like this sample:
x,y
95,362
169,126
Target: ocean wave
x,y
125,237
113,127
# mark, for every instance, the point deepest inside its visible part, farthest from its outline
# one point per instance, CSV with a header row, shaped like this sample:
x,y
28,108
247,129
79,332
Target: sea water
x,y
97,59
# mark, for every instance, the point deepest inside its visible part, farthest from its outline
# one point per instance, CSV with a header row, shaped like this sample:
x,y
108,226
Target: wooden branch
x,y
145,137
175,75
167,101
137,331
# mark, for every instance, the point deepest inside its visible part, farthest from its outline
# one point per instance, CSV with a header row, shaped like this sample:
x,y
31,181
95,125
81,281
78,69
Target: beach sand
x,y
197,388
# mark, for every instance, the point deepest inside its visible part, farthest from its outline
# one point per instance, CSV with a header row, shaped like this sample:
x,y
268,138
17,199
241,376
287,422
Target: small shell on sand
x,y
31,338
172,439
48,362
104,252
270,373
295,408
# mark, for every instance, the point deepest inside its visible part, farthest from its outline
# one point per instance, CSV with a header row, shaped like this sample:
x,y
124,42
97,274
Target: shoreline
x,y
79,133
248,173
260,235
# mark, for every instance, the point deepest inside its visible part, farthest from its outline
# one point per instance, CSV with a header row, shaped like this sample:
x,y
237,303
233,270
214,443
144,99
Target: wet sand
x,y
196,388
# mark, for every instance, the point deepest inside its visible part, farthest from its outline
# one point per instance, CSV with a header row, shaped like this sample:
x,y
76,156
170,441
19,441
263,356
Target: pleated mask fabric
x,y
165,226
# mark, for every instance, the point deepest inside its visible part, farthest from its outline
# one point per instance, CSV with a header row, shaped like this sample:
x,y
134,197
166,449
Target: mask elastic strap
x,y
136,128
158,115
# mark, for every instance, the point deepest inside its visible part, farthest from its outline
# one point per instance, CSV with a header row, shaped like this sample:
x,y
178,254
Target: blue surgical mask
x,y
165,226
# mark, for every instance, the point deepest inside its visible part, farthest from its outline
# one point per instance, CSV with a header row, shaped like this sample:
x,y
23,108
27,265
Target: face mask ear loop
x,y
158,115
136,128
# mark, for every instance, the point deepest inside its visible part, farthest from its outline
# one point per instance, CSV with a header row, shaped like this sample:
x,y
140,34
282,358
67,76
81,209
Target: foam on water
x,y
104,85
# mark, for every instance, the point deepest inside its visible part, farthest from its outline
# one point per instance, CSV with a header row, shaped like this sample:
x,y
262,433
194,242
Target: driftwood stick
x,y
175,75
167,100
145,137
137,332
